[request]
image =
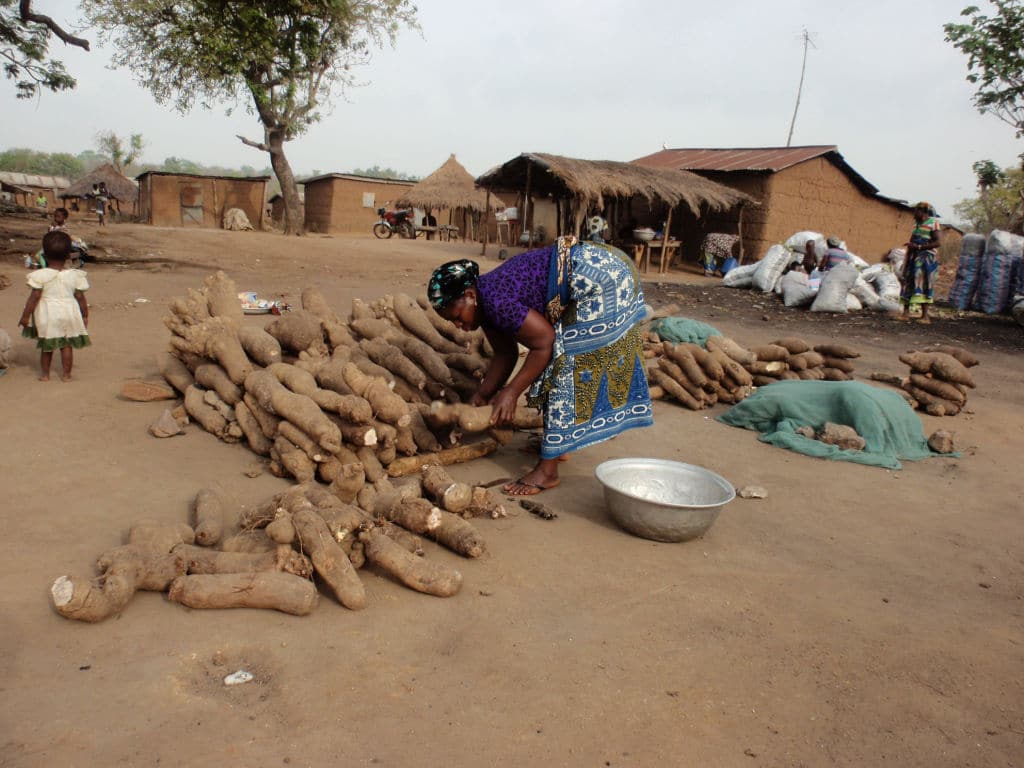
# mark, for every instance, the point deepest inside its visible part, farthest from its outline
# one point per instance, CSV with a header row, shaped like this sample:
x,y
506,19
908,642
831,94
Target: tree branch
x,y
38,18
250,143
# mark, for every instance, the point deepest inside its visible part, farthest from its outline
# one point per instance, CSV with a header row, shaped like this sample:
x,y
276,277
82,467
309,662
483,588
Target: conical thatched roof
x,y
119,186
450,186
594,180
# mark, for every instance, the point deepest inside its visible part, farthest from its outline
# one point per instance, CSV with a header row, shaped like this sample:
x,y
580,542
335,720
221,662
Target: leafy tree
x,y
385,173
283,58
999,206
24,40
994,46
112,146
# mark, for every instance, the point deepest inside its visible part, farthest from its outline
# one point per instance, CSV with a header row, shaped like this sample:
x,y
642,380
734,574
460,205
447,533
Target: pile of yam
x,y
273,555
346,402
939,379
723,371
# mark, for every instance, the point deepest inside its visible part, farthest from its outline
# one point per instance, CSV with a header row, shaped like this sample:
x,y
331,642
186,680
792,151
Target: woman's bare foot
x,y
66,377
925,320
45,377
543,477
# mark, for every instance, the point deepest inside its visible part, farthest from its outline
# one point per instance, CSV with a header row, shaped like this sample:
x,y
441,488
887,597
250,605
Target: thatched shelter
x,y
624,192
122,191
451,187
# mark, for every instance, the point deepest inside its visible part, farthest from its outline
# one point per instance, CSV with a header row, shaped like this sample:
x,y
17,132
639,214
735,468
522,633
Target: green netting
x,y
680,329
882,417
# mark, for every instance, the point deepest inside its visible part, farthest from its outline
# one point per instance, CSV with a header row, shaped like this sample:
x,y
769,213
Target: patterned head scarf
x,y
926,207
450,280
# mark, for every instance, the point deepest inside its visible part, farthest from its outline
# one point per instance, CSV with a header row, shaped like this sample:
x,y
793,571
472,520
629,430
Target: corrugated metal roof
x,y
32,180
737,159
202,176
354,177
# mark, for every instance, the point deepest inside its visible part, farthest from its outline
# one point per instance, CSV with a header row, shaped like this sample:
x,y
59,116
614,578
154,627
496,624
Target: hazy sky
x,y
598,80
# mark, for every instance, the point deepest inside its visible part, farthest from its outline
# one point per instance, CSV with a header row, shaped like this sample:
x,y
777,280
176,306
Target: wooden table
x,y
668,252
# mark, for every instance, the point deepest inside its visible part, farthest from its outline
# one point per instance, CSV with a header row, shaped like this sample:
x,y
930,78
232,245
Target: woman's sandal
x,y
537,488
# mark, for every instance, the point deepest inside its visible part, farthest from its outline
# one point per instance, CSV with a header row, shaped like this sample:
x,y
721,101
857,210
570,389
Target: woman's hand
x,y
503,406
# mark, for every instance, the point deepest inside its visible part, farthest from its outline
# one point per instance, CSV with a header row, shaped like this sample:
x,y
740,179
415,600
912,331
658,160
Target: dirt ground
x,y
854,617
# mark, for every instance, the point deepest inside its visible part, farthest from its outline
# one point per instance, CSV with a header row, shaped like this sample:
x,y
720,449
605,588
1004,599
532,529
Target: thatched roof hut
x,y
119,186
591,181
578,186
450,186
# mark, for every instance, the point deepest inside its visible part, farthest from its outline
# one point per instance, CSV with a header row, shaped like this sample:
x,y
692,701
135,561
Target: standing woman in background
x,y
922,262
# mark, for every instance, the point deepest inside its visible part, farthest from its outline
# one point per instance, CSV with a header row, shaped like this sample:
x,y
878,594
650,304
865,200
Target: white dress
x,y
57,315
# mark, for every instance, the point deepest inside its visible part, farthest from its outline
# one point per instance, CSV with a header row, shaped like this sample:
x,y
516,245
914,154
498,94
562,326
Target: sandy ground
x,y
855,617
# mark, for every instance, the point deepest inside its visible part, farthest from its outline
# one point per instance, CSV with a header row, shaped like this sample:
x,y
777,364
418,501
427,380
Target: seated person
x,y
835,255
596,226
429,220
715,249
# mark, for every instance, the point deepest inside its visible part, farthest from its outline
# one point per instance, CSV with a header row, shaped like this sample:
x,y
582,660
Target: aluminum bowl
x,y
663,500
644,235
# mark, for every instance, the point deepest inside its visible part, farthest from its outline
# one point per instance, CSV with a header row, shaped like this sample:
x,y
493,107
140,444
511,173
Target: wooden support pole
x,y
665,256
487,213
740,229
527,224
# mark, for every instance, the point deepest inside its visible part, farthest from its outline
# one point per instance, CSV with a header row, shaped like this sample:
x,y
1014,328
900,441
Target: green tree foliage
x,y
998,206
385,173
282,58
24,56
994,46
42,163
113,147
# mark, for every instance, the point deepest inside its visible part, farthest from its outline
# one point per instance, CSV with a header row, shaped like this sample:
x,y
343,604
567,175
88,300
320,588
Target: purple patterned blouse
x,y
508,293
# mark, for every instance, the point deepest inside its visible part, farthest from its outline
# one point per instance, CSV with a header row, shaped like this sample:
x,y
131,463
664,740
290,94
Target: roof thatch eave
x,y
450,186
119,186
594,180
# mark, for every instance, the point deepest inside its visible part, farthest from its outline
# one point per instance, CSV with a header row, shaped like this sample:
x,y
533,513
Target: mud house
x,y
26,189
799,188
122,193
192,200
344,202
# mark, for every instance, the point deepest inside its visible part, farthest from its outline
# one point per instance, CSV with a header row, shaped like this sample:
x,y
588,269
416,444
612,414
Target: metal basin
x,y
663,500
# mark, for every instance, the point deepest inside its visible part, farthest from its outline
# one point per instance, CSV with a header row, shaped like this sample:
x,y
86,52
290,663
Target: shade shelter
x,y
622,192
122,192
194,200
452,187
27,189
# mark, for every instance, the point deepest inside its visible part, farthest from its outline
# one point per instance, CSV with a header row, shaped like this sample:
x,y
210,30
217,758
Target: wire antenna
x,y
803,68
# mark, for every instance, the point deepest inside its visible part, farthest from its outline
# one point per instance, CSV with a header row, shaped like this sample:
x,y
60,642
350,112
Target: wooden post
x,y
741,233
487,213
527,225
663,264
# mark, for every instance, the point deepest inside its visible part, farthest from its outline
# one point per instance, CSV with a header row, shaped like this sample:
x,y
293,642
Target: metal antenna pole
x,y
800,88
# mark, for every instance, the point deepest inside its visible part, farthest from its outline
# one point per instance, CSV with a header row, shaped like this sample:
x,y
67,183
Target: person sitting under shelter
x,y
715,249
429,223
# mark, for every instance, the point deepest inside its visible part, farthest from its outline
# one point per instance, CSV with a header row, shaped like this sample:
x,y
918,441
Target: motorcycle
x,y
395,221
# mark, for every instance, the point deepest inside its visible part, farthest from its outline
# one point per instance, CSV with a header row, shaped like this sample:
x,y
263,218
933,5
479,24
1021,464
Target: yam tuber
x,y
836,350
301,440
478,418
266,420
269,589
208,513
682,357
834,374
329,560
387,406
420,516
295,461
391,357
939,388
371,466
675,389
207,561
769,368
123,570
295,379
298,331
413,464
940,365
259,345
298,409
208,417
349,481
212,376
711,367
793,345
770,353
350,407
733,370
414,348
730,349
414,319
450,495
414,572
964,357
840,363
175,373
216,339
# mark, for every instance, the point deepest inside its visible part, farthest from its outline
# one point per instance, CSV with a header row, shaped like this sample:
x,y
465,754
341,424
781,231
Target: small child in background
x,y
56,313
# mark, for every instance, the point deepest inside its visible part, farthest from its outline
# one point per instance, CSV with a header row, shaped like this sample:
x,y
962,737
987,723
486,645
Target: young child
x,y
56,313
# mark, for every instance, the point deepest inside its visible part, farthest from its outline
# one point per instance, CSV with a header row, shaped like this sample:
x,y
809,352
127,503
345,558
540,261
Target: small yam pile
x,y
939,379
266,556
345,402
726,372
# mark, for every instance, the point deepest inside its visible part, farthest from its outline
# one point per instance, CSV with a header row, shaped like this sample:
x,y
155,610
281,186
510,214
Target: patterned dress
x,y
921,266
595,386
715,249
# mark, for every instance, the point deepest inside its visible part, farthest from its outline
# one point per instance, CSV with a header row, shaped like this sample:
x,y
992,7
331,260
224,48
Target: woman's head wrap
x,y
450,280
926,207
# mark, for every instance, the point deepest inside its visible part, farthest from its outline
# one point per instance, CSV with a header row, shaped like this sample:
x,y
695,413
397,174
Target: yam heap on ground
x,y
352,404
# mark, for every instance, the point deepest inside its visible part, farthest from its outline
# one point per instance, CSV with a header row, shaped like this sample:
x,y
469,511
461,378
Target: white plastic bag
x,y
835,286
770,268
858,262
798,243
865,293
853,303
740,277
795,290
887,285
